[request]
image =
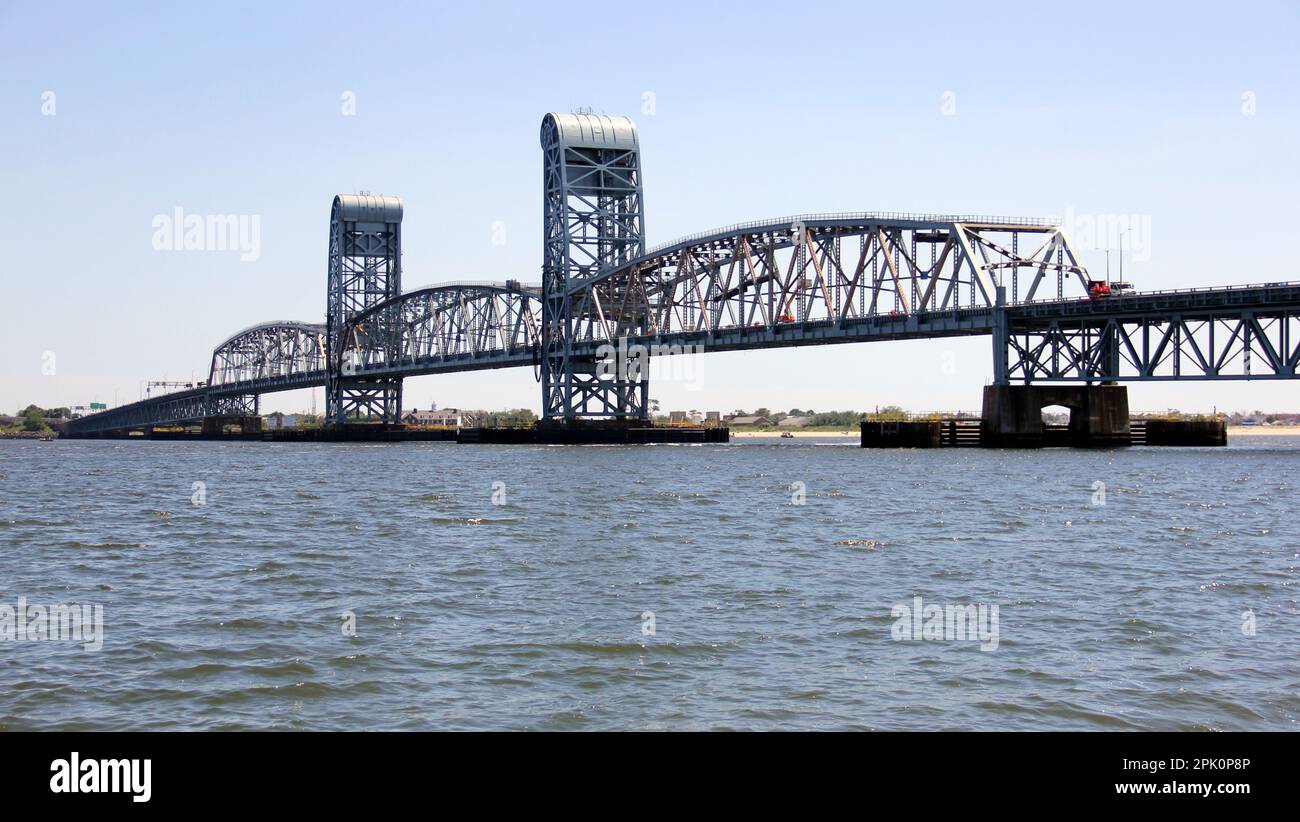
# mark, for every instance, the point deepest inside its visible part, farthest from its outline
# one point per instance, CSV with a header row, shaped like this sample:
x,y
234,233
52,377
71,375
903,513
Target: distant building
x,y
418,417
677,416
750,421
279,420
794,422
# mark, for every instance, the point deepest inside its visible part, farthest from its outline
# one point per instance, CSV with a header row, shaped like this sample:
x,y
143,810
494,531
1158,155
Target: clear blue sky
x,y
760,110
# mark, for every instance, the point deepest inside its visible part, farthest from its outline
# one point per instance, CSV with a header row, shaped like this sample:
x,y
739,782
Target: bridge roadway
x,y
1176,317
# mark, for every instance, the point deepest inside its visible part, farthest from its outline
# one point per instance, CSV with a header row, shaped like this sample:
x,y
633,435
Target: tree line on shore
x,y
33,418
827,419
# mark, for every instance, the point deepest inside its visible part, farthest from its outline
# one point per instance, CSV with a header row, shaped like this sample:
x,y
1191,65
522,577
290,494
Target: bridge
x,y
606,302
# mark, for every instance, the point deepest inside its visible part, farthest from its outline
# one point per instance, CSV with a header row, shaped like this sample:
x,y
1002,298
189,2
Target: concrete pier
x,y
214,426
1012,415
1211,433
901,434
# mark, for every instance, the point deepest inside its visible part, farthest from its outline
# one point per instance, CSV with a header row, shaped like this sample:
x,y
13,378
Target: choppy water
x,y
532,615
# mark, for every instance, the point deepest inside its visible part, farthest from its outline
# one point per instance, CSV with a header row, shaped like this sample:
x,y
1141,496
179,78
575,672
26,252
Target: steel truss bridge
x,y
605,301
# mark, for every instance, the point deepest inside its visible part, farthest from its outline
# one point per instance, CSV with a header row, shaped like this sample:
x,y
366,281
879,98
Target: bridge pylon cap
x,y
368,208
592,131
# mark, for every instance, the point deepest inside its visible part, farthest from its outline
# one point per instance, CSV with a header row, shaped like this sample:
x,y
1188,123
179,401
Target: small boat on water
x,y
786,435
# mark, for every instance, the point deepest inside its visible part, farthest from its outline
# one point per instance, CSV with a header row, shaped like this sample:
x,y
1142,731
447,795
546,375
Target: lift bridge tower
x,y
593,220
365,268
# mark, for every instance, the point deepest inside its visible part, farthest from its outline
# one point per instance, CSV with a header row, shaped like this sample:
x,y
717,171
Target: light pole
x,y
1121,254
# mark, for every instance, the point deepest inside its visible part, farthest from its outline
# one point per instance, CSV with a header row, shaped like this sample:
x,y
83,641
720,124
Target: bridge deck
x,y
1246,305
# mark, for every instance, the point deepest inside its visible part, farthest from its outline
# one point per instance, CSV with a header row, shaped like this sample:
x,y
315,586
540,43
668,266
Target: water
x,y
532,615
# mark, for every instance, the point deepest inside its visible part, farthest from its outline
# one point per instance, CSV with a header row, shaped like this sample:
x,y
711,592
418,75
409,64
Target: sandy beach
x,y
1233,431
1264,430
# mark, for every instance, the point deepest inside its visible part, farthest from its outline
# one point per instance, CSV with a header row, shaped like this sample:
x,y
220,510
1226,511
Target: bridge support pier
x,y
1012,415
215,426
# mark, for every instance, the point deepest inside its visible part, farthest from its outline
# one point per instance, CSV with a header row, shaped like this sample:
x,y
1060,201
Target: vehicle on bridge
x,y
1101,289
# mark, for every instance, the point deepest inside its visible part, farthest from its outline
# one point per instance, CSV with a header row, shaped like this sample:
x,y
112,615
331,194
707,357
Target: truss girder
x,y
444,324
270,350
1221,334
179,408
1244,332
814,268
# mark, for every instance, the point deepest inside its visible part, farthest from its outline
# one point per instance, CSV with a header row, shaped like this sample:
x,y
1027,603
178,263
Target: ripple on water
x,y
651,587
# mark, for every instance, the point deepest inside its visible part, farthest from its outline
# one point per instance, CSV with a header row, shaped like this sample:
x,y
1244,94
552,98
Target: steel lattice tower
x,y
593,221
365,268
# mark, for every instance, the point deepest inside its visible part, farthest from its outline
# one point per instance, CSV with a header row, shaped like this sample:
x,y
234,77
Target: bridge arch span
x,y
272,350
464,320
827,267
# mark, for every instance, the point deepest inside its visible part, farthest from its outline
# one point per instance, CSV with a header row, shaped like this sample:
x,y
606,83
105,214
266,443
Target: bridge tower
x,y
365,268
593,220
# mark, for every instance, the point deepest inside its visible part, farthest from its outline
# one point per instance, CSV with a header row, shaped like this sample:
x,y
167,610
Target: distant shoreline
x,y
1233,431
1264,430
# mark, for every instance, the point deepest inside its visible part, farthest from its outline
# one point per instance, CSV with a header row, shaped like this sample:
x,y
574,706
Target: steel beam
x,y
1242,333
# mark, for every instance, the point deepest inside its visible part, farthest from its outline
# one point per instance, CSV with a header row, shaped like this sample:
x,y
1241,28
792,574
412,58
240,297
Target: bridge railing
x,y
522,287
862,216
1207,289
